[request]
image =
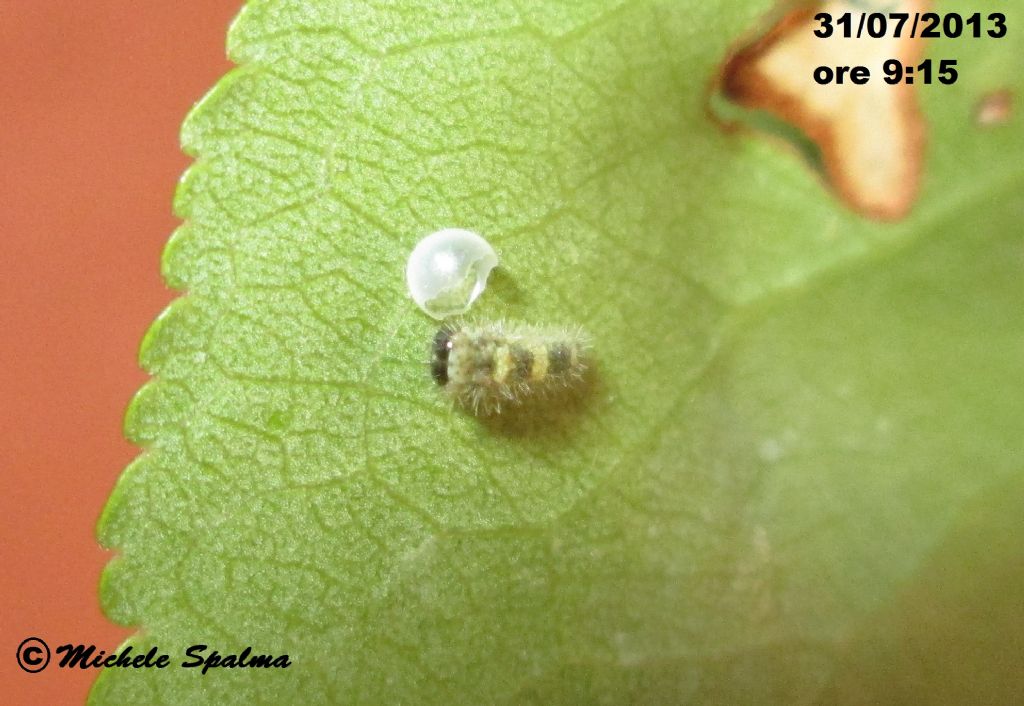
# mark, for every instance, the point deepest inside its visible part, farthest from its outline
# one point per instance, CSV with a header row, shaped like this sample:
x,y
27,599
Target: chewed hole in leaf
x,y
870,138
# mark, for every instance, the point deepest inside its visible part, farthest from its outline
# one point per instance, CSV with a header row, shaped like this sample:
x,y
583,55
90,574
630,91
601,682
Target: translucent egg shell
x,y
448,270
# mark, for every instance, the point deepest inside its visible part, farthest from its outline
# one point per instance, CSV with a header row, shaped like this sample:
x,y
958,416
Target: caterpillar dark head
x,y
439,351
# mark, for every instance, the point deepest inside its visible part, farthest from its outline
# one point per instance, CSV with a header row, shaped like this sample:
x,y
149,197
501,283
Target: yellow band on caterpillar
x,y
539,370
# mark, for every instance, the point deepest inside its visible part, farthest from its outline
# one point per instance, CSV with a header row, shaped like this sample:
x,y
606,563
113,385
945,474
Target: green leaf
x,y
795,417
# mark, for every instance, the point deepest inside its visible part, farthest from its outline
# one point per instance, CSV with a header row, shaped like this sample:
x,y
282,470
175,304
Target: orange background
x,y
92,95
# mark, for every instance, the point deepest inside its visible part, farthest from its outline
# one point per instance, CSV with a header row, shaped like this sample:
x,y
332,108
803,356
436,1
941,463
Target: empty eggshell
x,y
448,270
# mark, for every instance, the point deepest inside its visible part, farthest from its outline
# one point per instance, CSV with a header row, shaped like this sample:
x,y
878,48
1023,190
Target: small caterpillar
x,y
483,366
